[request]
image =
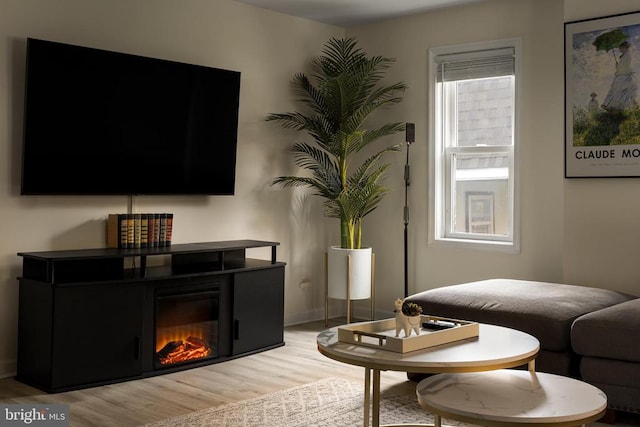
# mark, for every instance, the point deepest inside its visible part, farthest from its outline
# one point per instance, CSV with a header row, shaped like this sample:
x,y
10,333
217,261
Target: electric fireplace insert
x,y
190,324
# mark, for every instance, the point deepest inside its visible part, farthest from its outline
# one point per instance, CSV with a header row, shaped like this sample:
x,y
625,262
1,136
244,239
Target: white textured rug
x,y
332,402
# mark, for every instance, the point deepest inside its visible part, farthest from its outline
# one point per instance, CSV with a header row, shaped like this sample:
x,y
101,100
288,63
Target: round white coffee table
x,y
495,347
511,398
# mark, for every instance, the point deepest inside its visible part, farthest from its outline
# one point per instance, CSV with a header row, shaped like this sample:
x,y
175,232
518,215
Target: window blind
x,y
476,65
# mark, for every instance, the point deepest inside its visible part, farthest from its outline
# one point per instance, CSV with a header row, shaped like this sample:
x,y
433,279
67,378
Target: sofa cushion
x,y
610,333
544,310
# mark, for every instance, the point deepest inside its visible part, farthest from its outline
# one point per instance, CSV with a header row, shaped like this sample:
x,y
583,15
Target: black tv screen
x,y
100,122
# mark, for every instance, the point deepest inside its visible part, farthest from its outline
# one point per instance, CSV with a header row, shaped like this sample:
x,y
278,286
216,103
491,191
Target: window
x,y
473,144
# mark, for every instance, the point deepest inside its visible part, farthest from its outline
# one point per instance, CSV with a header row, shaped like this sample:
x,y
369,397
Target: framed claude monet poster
x,y
602,115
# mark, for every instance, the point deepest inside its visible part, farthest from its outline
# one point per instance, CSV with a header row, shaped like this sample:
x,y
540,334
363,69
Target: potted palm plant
x,y
344,93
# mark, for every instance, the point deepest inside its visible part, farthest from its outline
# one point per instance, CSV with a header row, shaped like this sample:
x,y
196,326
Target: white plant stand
x,y
348,285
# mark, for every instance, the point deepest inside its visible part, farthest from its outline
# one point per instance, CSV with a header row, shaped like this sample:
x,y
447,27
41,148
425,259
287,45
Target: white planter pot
x,y
359,273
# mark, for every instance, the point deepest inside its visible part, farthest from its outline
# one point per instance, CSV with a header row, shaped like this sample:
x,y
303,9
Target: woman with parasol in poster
x,y
624,89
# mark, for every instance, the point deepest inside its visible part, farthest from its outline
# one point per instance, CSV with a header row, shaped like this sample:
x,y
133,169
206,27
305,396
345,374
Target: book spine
x,y
156,230
137,218
122,219
113,231
144,230
169,231
150,225
130,230
162,239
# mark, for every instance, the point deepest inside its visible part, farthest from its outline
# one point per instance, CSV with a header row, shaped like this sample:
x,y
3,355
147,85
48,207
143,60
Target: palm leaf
x,y
344,93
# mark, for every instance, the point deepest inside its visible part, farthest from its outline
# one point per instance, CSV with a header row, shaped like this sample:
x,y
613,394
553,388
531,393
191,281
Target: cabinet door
x,y
97,331
258,309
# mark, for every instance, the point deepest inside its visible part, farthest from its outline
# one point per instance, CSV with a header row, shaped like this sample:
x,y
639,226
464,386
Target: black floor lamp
x,y
410,133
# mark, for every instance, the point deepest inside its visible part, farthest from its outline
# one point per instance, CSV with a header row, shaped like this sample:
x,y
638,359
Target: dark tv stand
x,y
88,317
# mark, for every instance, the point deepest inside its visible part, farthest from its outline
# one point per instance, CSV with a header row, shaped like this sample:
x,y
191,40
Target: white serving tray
x,y
381,334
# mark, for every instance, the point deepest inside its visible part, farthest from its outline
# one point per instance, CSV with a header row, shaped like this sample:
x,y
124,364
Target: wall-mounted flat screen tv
x,y
105,123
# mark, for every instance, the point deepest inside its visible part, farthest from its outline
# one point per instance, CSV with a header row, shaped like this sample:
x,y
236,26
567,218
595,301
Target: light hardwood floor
x,y
143,401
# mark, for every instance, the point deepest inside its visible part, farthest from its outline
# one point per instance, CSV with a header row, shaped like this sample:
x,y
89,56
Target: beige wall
x,y
574,231
267,48
601,232
539,25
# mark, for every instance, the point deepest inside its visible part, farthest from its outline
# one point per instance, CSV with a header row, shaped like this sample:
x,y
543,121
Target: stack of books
x,y
143,230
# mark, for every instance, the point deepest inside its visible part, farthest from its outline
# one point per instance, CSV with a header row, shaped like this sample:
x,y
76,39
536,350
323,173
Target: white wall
x,y
266,47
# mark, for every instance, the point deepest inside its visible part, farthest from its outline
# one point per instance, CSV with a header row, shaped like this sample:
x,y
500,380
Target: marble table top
x,y
512,396
495,347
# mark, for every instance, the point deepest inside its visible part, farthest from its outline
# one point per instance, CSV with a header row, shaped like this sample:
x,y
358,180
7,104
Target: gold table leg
x,y
367,395
376,399
372,402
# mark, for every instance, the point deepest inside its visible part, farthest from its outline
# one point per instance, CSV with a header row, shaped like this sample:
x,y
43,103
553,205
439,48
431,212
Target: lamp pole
x,y
410,136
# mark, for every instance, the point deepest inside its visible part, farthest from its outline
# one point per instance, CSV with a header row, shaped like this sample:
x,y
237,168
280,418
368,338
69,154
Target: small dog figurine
x,y
404,322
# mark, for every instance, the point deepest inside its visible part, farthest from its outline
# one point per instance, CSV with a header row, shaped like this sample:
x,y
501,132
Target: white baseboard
x,y
8,368
314,315
307,316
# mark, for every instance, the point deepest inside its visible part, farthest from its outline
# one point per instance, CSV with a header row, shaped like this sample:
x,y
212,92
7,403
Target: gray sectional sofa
x,y
608,341
584,332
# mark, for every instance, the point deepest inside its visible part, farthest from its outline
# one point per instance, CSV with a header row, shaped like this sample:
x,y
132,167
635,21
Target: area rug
x,y
332,402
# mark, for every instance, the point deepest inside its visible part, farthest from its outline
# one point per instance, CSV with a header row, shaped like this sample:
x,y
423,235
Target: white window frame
x,y
439,191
